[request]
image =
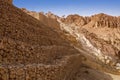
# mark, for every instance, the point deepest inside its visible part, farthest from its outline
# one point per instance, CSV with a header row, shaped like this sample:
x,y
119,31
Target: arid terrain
x,y
44,46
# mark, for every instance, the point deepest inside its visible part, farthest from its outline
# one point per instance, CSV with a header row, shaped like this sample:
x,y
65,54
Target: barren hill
x,y
104,26
98,34
31,50
48,19
38,46
88,34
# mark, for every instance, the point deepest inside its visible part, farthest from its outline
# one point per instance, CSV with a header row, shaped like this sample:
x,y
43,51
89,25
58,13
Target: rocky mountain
x,y
101,41
31,50
43,46
98,20
48,19
76,20
104,20
104,26
101,31
97,35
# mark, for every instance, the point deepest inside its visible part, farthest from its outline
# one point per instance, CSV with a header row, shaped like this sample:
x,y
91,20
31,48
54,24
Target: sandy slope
x,y
86,73
115,77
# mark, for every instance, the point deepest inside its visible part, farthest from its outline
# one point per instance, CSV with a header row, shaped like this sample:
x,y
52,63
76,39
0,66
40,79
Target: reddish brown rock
x,y
105,27
104,20
76,20
9,1
31,49
48,19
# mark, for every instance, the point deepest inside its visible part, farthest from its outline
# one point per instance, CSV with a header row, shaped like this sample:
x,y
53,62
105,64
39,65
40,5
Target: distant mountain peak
x,y
97,20
104,20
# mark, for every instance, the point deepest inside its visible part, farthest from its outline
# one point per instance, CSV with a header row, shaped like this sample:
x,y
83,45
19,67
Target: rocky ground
x,y
38,46
31,50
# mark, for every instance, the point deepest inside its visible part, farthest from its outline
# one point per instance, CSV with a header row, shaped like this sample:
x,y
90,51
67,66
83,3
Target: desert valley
x,y
44,46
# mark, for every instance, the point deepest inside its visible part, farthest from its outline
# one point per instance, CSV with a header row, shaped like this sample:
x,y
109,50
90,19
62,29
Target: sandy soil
x,y
86,73
115,77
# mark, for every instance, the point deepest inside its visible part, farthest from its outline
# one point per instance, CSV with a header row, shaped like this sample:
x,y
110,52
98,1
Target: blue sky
x,y
65,7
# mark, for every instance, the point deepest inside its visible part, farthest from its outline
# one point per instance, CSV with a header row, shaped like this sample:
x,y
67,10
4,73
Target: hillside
x,y
43,46
104,26
84,34
31,50
98,36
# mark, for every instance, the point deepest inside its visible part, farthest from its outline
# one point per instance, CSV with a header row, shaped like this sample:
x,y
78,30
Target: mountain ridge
x,y
31,50
35,46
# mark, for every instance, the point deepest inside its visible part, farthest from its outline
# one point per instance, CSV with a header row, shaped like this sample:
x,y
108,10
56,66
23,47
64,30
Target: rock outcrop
x,y
76,20
48,19
98,20
100,32
32,13
104,20
106,27
99,35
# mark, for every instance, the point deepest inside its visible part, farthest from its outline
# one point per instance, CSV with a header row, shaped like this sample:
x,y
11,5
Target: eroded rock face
x,y
76,20
104,26
99,36
101,31
104,20
98,20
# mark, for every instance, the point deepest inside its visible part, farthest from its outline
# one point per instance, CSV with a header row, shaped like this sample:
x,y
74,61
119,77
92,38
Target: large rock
x,y
104,26
76,20
104,20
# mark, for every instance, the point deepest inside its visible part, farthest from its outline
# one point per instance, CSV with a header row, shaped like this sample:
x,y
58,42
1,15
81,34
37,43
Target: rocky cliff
x,y
99,34
98,20
104,20
104,26
76,20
